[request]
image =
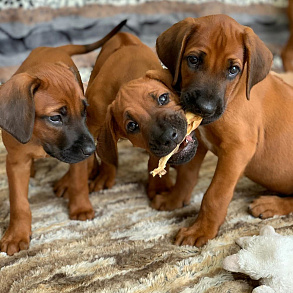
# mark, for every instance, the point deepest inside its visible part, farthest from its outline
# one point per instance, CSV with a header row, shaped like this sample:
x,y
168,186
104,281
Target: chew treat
x,y
193,122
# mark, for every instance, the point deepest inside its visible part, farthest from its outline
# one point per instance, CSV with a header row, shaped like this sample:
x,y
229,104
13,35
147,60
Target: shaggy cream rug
x,y
128,247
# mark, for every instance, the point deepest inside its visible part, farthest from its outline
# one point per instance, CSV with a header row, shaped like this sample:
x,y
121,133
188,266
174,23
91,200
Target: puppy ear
x,y
170,45
258,58
107,140
17,107
162,75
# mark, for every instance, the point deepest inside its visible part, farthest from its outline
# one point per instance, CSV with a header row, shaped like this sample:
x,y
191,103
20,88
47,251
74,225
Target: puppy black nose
x,y
206,108
169,136
200,102
88,149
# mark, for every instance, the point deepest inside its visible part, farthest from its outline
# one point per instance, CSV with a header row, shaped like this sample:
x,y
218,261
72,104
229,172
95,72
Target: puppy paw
x,y
83,215
195,235
12,241
168,202
81,212
268,206
102,181
62,185
158,189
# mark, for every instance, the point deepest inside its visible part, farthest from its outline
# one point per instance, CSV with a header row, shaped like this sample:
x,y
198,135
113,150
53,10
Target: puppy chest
x,y
207,139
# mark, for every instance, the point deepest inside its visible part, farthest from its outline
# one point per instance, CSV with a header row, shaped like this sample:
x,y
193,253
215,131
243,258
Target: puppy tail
x,y
82,49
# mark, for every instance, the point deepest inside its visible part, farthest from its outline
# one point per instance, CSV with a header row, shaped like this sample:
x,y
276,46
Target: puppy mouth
x,y
186,151
67,157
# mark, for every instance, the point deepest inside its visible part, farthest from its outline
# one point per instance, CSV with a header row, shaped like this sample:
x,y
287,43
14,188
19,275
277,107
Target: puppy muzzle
x,y
207,105
81,148
166,133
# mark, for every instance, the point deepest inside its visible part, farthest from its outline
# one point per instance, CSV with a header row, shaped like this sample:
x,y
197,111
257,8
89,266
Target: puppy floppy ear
x,y
162,75
17,107
107,140
258,58
170,45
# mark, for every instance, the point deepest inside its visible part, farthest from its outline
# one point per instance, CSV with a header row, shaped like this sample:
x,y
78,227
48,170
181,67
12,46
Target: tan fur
x,y
252,137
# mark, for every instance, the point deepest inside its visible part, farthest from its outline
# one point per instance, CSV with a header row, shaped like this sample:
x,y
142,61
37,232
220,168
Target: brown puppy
x,y
127,102
43,112
287,52
219,65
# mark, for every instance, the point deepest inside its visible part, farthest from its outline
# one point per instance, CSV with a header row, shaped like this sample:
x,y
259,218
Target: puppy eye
x,y
132,126
192,60
56,120
233,71
163,99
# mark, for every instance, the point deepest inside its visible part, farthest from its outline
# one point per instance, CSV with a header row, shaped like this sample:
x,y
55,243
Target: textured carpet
x,y
128,247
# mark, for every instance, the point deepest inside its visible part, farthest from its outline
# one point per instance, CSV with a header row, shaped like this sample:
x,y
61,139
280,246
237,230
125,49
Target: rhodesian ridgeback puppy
x,y
130,97
222,70
287,52
43,112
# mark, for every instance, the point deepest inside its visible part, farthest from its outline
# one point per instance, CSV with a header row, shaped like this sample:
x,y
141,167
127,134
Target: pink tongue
x,y
186,140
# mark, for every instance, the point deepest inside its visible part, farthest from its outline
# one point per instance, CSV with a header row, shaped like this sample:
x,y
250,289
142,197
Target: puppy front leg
x,y
74,186
17,235
80,207
103,175
157,184
216,200
105,178
62,186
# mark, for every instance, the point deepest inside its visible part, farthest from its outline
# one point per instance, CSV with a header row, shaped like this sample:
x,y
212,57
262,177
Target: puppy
x,y
222,71
130,97
43,112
